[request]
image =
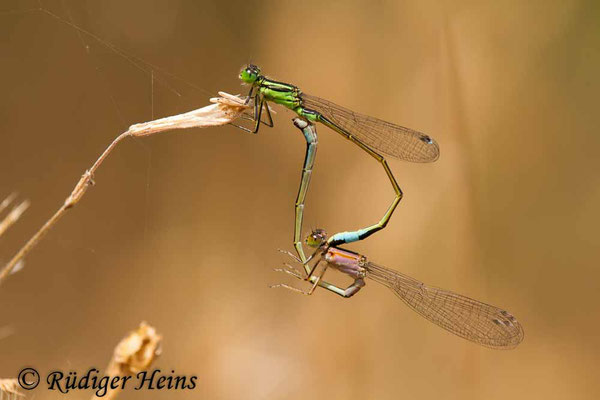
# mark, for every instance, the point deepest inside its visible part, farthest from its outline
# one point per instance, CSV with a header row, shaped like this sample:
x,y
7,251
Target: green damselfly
x,y
470,319
374,136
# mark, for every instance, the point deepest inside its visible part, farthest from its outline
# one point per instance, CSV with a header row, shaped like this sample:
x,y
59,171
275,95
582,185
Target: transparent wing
x,y
388,138
478,322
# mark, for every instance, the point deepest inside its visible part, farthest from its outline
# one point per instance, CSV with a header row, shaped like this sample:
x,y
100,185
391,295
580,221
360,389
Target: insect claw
x,y
293,289
295,273
288,253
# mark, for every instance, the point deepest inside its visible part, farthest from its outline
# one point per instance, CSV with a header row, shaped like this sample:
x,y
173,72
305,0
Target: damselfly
x,y
373,135
471,319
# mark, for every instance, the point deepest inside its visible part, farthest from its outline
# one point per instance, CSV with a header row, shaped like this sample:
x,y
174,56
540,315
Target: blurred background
x,y
182,228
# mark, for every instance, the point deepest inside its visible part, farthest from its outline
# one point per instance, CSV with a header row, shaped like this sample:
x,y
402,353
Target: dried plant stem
x,y
9,199
13,216
226,109
74,197
135,353
9,387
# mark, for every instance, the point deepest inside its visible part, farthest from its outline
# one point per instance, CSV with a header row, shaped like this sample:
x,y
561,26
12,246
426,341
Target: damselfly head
x,y
250,73
316,238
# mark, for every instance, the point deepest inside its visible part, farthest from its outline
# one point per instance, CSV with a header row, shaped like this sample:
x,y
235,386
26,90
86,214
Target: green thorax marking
x,y
283,93
280,93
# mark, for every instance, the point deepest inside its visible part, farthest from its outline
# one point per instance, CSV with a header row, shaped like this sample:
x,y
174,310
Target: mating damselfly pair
x,y
473,320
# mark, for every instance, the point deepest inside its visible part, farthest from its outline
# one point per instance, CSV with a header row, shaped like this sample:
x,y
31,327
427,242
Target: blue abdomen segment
x,y
347,237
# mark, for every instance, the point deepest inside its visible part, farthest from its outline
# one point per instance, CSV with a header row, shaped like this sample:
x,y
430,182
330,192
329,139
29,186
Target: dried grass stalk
x,y
6,202
9,389
13,216
135,353
225,109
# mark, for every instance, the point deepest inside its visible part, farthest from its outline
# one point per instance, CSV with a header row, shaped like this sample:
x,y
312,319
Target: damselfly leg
x,y
259,104
311,277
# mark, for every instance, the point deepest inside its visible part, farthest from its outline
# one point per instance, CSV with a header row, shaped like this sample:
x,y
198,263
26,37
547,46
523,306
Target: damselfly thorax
x,y
347,262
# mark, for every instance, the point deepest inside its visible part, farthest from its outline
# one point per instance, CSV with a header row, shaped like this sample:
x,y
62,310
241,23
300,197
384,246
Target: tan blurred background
x,y
182,229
